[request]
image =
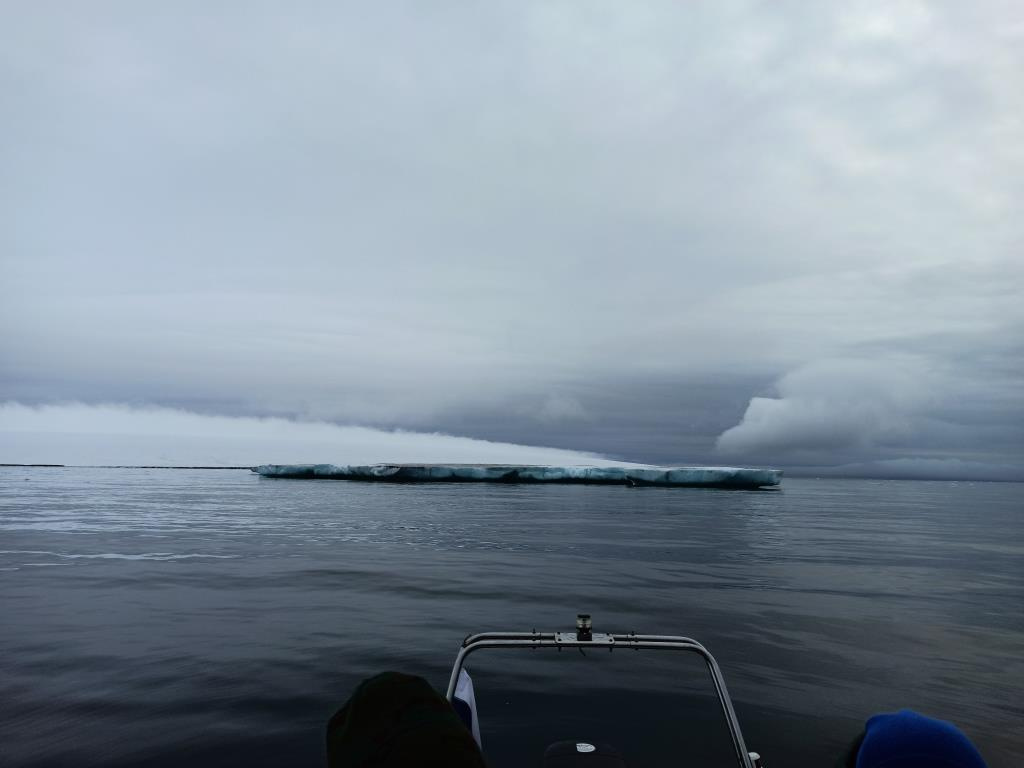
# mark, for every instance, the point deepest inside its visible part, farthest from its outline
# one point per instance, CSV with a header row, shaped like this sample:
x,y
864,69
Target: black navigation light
x,y
584,627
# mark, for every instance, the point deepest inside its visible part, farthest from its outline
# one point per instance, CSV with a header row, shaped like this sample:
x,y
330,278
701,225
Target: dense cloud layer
x,y
116,435
667,232
835,405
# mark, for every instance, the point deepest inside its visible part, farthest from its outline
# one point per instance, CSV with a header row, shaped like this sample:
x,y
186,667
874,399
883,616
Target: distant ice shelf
x,y
672,477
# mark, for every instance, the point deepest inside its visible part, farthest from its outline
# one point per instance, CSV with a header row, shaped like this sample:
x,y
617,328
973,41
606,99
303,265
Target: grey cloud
x,y
916,468
833,406
465,219
882,411
559,408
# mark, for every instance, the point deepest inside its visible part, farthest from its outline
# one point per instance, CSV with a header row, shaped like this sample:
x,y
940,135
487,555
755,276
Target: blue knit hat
x,y
906,739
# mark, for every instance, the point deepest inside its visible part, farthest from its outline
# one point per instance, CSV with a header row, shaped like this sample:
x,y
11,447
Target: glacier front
x,y
672,477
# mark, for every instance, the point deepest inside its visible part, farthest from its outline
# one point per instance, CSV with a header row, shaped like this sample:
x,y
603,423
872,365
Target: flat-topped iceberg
x,y
675,477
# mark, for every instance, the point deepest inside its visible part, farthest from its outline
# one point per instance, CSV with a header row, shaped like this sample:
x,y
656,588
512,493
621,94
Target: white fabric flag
x,y
465,705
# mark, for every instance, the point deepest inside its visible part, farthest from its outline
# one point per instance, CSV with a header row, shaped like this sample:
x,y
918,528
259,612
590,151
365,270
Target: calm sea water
x,y
162,617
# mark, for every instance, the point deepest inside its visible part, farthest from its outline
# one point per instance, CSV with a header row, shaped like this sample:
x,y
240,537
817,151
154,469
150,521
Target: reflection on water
x,y
217,618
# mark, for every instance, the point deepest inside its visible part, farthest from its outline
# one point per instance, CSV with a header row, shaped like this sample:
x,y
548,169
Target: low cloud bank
x,y
834,406
921,469
878,417
117,434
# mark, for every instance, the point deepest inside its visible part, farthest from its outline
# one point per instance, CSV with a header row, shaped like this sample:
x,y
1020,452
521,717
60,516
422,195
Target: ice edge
x,y
672,477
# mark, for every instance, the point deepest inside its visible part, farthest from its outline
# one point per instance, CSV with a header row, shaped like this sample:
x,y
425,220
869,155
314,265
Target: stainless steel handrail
x,y
501,640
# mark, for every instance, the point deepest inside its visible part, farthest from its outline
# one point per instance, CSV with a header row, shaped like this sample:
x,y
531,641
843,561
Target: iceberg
x,y
669,477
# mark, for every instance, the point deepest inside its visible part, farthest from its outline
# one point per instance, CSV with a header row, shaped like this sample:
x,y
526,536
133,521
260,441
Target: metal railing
x,y
584,638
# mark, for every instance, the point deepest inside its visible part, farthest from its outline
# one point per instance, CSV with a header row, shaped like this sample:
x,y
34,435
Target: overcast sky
x,y
726,232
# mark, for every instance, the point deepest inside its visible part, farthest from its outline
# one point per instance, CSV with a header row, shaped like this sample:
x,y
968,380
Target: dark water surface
x,y
161,617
